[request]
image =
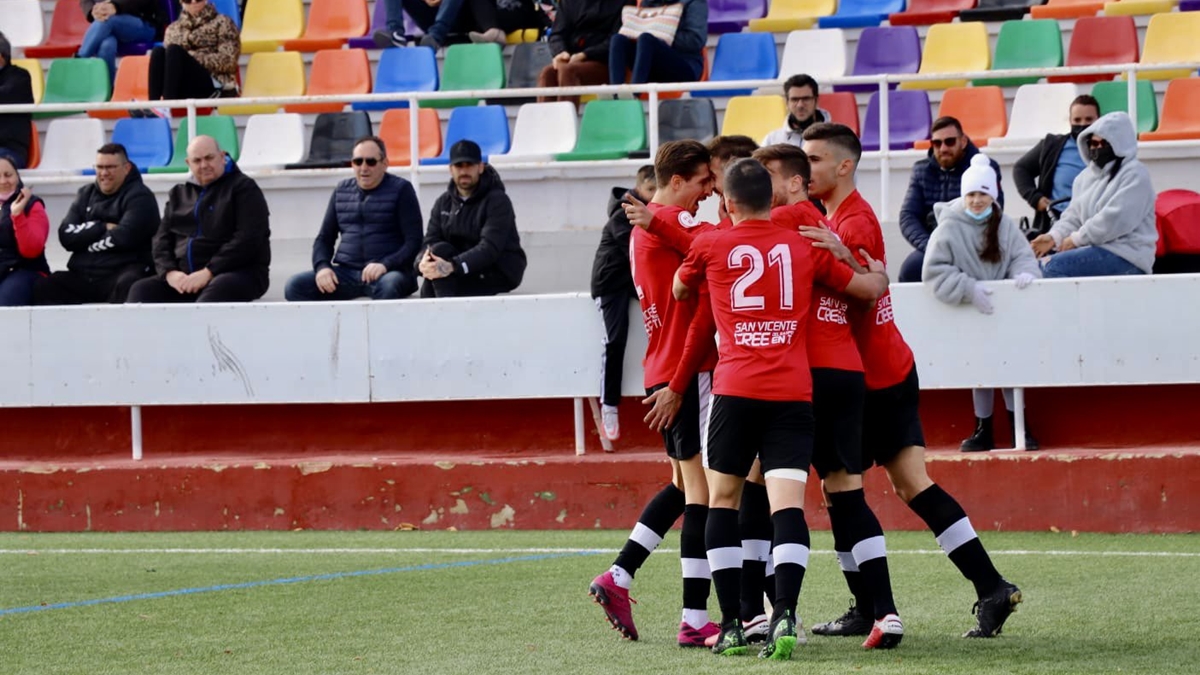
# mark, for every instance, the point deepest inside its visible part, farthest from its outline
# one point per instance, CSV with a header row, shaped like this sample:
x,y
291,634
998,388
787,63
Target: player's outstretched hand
x,y
664,407
637,212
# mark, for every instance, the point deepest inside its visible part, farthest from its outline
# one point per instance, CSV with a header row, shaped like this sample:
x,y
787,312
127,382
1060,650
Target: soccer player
x,y
838,388
892,434
759,277
684,180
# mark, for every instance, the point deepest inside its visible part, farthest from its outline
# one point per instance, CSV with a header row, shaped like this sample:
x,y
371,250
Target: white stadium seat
x,y
1037,110
542,131
273,141
820,53
22,22
71,145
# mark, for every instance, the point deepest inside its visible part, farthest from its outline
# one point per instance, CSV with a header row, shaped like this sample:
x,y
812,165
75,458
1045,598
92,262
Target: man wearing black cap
x,y
472,246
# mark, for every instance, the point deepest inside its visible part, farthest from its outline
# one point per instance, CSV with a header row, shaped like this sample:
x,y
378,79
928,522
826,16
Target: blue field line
x,y
293,580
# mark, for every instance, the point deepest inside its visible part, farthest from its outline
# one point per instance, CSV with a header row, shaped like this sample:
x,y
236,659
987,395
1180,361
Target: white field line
x,y
519,551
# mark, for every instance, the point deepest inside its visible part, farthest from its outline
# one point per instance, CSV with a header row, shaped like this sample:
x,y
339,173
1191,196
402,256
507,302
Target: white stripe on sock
x,y
795,554
787,474
724,558
956,535
695,568
756,549
846,562
645,537
869,549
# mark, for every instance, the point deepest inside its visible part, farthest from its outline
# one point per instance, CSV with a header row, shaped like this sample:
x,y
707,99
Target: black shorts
x,y
779,433
838,406
892,420
684,438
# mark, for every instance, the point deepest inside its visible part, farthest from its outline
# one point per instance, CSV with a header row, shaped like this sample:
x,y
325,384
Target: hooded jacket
x,y
952,263
1113,212
16,87
382,225
97,251
586,26
929,185
610,270
224,226
482,228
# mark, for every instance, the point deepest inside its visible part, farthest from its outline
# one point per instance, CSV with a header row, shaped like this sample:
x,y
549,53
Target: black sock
x,y
693,558
659,515
724,550
842,547
863,536
754,523
957,538
790,552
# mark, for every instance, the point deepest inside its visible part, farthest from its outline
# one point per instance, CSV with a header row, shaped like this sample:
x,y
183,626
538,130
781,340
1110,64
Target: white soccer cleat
x,y
612,423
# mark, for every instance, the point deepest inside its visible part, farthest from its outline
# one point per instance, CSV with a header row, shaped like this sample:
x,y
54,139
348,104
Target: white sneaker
x,y
612,425
756,629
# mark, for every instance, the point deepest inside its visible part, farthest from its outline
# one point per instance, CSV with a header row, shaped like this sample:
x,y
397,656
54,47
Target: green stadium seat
x,y
75,81
476,66
220,127
1114,96
1033,43
609,130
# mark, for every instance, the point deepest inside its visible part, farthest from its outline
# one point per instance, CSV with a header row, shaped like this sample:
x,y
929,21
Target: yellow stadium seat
x,y
788,15
269,74
753,116
953,48
1171,38
1138,7
267,23
36,76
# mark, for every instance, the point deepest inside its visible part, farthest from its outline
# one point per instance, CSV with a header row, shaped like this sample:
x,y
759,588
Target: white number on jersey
x,y
780,255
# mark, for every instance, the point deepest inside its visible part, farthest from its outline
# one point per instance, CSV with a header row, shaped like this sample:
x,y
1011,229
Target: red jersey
x,y
886,357
760,279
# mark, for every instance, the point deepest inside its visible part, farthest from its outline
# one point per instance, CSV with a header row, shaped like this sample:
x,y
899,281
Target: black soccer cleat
x,y
992,610
853,622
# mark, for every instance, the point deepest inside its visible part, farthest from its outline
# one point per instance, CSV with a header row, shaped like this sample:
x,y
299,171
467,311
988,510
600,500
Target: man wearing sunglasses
x,y
369,238
937,178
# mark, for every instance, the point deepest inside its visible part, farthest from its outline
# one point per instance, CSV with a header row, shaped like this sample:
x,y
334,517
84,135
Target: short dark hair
x,y
947,121
791,159
726,148
645,173
801,80
748,183
378,143
679,158
838,134
114,149
1086,99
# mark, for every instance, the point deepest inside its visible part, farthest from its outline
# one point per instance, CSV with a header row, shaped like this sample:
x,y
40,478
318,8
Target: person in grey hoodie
x,y
974,241
1109,227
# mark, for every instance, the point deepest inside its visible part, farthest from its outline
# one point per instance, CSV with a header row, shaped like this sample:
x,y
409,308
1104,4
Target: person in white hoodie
x,y
974,241
1109,227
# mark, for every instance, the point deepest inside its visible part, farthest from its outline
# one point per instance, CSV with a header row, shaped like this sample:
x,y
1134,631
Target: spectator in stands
x,y
108,230
472,246
1109,228
493,20
15,88
375,221
199,56
802,99
936,179
579,41
118,22
438,18
1044,174
613,291
973,242
214,242
646,58
23,229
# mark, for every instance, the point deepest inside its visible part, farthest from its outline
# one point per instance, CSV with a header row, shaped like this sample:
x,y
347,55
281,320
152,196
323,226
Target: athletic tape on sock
x,y
956,535
645,537
724,558
695,568
787,474
795,554
869,549
756,549
846,562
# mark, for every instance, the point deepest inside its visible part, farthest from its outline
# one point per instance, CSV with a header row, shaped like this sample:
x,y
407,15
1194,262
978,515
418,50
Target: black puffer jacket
x,y
586,26
97,251
482,227
16,87
610,270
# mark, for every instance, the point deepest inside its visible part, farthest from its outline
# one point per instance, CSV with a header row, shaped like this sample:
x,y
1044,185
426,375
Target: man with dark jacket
x,y
472,246
15,88
612,289
108,230
214,242
937,178
1046,173
375,221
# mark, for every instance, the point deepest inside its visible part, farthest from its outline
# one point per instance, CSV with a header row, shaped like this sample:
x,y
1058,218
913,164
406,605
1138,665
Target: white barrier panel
x,y
16,388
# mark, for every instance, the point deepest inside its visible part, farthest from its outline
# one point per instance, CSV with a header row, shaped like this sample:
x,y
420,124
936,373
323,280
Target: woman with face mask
x,y
974,241
23,230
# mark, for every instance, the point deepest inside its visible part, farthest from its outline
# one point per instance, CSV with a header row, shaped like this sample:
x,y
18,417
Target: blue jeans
x,y
437,22
649,59
1089,261
391,286
16,288
102,38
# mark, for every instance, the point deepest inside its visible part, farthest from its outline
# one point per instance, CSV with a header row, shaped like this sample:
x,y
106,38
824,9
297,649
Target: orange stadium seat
x,y
330,24
335,71
395,134
1180,112
133,84
980,109
1066,9
35,148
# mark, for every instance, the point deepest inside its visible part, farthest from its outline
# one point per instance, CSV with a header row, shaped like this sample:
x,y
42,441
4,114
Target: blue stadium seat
x,y
861,13
743,56
147,141
230,9
403,69
487,125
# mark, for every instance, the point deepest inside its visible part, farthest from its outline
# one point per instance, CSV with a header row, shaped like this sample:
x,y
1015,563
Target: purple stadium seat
x,y
909,120
731,16
861,13
1189,6
379,22
893,50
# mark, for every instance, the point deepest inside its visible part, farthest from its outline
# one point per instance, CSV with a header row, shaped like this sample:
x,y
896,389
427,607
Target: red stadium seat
x,y
67,26
1100,40
929,12
842,107
1177,215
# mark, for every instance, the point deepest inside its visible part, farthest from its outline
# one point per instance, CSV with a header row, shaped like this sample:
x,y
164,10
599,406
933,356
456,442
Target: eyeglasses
x,y
948,142
107,167
369,161
802,99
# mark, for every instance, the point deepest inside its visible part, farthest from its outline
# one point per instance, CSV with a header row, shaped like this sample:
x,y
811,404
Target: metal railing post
x,y
885,112
414,142
652,122
191,120
135,428
580,431
1131,92
1019,418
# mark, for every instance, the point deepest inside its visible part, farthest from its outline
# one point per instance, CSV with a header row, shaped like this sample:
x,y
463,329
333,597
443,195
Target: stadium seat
x,y
1189,6
268,23
528,61
1177,217
229,8
1037,110
332,140
487,125
1138,7
1066,9
272,141
132,84
1180,112
1171,38
335,71
1025,44
929,12
788,15
731,16
609,130
269,74
75,81
220,127
37,79
401,70
22,23
753,116
523,36
543,131
687,118
884,50
742,56
842,107
330,24
979,109
820,53
378,22
1114,96
147,141
861,13
952,48
1100,40
34,157
908,120
71,145
999,10
476,66
394,130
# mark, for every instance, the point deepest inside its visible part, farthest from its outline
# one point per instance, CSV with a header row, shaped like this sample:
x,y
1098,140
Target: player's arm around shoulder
x,y
692,272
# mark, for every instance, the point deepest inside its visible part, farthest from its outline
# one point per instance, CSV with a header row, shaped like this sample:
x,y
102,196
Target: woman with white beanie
x,y
974,241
